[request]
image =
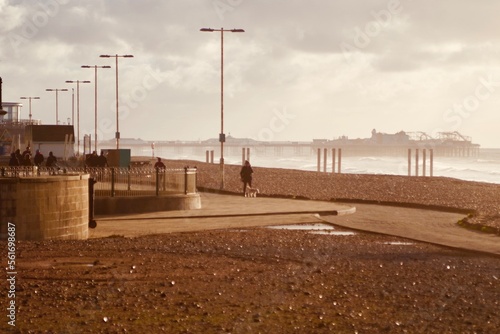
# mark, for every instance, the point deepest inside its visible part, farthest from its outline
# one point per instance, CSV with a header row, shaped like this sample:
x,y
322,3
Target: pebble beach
x,y
260,280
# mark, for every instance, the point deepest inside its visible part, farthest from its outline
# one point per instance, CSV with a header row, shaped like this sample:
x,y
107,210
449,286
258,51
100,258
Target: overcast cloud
x,y
302,70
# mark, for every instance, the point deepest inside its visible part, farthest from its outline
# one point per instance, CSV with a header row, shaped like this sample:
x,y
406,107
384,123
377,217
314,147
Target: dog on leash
x,y
251,192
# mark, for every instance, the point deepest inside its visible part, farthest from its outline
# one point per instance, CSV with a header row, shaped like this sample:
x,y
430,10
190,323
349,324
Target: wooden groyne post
x,y
333,160
409,162
431,169
209,156
319,160
424,162
325,153
416,162
245,154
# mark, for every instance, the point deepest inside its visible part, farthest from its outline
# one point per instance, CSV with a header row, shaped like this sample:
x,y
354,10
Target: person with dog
x,y
246,175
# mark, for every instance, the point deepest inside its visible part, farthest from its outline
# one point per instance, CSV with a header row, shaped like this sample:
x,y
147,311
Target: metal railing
x,y
120,181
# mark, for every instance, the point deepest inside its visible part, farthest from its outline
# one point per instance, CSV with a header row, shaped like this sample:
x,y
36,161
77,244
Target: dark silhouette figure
x,y
51,160
27,151
159,164
160,172
38,160
13,162
19,156
27,160
92,160
102,161
246,175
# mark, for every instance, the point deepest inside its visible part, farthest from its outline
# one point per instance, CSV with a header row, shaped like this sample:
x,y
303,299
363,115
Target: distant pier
x,y
447,144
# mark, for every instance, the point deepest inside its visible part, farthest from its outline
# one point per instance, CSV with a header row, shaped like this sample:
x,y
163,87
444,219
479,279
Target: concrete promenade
x,y
237,212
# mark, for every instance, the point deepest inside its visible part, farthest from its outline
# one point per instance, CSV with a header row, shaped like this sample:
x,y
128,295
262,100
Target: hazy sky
x,y
302,70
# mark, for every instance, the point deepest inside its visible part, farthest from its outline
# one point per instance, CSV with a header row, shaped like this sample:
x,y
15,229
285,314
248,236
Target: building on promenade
x,y
18,133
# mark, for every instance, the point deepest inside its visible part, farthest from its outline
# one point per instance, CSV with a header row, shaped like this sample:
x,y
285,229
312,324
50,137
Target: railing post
x,y
92,222
185,180
157,181
112,182
128,178
195,179
3,171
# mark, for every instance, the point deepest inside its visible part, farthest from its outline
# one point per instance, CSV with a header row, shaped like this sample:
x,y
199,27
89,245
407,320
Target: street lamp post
x,y
2,112
57,90
117,134
95,67
73,106
222,136
78,108
30,98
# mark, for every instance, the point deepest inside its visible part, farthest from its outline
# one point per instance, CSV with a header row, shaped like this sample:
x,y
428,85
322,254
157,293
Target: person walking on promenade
x,y
160,172
246,175
38,160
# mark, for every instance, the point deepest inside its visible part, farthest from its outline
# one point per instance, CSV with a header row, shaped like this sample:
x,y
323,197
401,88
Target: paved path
x,y
226,211
417,224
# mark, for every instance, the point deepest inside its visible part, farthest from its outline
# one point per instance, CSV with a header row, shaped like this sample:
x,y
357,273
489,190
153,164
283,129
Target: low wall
x,y
41,208
143,204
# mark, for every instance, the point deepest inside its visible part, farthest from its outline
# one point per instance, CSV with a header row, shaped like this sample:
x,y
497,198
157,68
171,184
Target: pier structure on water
x,y
444,144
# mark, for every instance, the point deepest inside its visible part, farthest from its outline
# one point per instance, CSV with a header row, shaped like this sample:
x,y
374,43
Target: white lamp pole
x,y
78,108
95,67
117,134
222,136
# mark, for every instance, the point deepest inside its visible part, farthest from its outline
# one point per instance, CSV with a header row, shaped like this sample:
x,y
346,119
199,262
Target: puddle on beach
x,y
333,232
324,229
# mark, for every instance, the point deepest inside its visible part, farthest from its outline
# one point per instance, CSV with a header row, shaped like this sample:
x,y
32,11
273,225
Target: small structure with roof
x,y
56,138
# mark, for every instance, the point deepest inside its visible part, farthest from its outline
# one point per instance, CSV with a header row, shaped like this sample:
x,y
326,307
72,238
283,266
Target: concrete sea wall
x,y
41,208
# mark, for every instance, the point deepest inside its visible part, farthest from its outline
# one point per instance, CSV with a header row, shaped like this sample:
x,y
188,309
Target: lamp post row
x,y
222,137
78,107
57,90
95,67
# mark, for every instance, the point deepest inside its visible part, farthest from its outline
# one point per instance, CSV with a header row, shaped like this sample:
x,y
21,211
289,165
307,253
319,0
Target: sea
x,y
485,167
